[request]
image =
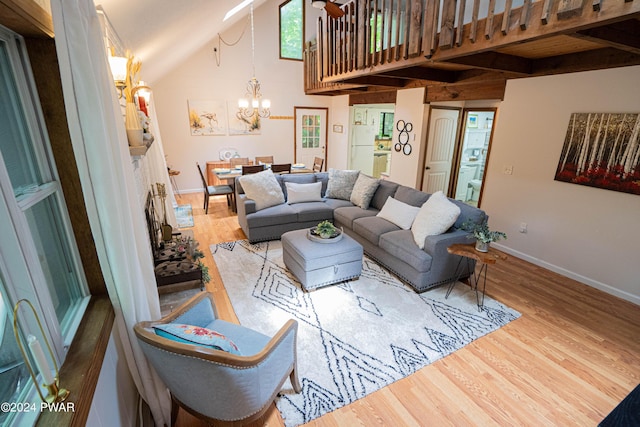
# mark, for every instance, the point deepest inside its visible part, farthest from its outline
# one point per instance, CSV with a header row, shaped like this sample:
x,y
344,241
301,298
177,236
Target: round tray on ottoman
x,y
315,237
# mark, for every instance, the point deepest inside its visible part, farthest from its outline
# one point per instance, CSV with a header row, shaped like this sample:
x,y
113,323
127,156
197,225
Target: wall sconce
x,y
51,383
118,65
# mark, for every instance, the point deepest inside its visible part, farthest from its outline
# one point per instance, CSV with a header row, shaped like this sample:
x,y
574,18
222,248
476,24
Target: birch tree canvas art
x,y
602,150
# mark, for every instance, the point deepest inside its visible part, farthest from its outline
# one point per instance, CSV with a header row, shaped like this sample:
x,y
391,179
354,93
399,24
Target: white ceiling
x,y
162,33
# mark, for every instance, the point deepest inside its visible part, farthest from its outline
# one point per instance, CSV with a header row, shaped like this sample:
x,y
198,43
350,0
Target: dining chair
x,y
247,169
219,371
317,164
215,190
264,160
238,161
281,168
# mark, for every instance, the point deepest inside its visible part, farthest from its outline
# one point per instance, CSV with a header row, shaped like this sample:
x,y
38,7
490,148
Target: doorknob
x,y
427,168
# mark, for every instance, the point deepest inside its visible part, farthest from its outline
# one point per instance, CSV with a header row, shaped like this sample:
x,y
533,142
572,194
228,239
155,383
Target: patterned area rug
x,y
354,337
184,216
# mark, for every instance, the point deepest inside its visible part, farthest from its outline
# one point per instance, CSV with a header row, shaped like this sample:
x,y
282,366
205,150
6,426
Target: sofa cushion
x,y
400,244
346,215
312,211
372,227
301,193
263,188
322,177
298,178
436,216
385,189
399,213
341,183
274,215
338,203
363,190
410,196
195,335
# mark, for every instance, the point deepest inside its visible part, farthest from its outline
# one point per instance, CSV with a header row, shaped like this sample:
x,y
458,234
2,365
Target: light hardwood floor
x,y
567,361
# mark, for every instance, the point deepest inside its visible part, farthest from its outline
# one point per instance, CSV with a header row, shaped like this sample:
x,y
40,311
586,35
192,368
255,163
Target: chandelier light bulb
x,y
255,103
266,104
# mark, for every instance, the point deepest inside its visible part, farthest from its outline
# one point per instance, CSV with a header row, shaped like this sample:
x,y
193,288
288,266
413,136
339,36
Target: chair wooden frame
x,y
215,190
264,160
318,162
238,161
281,168
247,169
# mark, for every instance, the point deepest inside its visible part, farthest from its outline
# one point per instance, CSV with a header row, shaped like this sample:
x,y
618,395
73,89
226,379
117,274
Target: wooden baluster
x,y
506,17
415,18
545,12
459,29
525,13
488,23
361,31
374,34
390,46
430,27
448,20
473,31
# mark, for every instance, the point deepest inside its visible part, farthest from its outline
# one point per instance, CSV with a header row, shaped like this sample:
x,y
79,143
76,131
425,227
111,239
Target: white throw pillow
x,y
399,213
300,193
262,188
341,183
363,190
435,217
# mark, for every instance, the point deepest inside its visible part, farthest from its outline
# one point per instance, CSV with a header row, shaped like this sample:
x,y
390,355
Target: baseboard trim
x,y
635,299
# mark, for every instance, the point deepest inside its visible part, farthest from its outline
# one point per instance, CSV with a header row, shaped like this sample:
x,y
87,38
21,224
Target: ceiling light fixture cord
x,y
218,52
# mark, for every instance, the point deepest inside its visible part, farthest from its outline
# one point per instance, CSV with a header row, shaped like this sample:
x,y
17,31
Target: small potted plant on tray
x,y
326,230
483,235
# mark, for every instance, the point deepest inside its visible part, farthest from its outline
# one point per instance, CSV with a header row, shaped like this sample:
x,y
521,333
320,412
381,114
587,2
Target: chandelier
x,y
252,105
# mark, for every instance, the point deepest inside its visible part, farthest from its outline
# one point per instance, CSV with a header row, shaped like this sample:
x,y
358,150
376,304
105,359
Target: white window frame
x,y
20,270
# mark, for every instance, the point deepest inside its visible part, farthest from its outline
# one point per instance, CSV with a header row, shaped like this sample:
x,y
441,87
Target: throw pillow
x,y
341,183
435,217
363,190
263,188
399,213
300,193
190,334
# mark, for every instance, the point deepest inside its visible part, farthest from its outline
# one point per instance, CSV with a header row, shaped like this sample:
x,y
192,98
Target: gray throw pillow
x,y
363,190
341,183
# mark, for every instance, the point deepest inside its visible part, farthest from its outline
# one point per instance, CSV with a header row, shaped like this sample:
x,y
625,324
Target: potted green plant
x,y
483,234
326,230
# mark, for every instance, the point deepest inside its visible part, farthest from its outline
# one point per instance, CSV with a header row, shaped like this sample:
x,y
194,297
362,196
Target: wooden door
x,y
441,142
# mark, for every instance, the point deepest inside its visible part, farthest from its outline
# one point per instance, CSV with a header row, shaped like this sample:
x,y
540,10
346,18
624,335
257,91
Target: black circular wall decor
x,y
403,137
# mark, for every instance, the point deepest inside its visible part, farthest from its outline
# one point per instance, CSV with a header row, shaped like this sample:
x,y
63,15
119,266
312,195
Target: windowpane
x,y
291,29
16,150
54,255
14,376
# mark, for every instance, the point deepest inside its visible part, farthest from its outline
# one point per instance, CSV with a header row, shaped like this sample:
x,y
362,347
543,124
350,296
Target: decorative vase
x,y
482,246
132,125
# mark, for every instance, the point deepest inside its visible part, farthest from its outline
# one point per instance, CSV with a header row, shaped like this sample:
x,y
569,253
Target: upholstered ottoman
x,y
320,264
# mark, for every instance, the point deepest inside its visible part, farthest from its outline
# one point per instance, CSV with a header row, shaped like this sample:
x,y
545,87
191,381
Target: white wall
x,y
585,233
200,78
115,400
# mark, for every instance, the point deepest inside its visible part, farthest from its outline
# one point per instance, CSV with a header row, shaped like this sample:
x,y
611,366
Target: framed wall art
x,y
602,150
207,117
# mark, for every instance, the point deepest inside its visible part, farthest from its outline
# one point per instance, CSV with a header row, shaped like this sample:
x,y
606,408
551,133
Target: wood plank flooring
x,y
568,361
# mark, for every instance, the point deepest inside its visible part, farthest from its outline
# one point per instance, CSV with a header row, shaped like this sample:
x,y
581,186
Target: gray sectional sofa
x,y
391,246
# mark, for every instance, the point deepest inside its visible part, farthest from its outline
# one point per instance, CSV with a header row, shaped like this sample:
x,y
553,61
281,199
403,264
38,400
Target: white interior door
x,y
310,135
441,142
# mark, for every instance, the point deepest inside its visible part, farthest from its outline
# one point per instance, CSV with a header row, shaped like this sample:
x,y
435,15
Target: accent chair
x,y
317,164
281,168
215,190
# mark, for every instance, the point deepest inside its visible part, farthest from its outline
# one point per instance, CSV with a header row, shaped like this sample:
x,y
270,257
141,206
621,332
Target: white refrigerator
x,y
363,140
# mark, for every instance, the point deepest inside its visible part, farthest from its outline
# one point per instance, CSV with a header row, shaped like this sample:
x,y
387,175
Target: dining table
x,y
229,175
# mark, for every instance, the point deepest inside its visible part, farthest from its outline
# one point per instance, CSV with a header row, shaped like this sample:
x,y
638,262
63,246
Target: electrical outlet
x,y
523,227
507,170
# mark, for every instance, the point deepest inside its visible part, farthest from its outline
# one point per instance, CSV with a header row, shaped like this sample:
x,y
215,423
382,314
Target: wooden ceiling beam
x,y
377,80
496,61
597,59
423,73
620,35
465,92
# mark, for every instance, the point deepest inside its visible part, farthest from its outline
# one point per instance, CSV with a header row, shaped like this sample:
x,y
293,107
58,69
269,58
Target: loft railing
x,y
387,34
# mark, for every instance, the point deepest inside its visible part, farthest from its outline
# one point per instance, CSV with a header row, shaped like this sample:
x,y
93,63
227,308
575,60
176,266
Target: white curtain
x,y
117,222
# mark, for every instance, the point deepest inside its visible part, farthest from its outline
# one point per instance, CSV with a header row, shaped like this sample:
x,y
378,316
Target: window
x,y
38,257
311,131
291,29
